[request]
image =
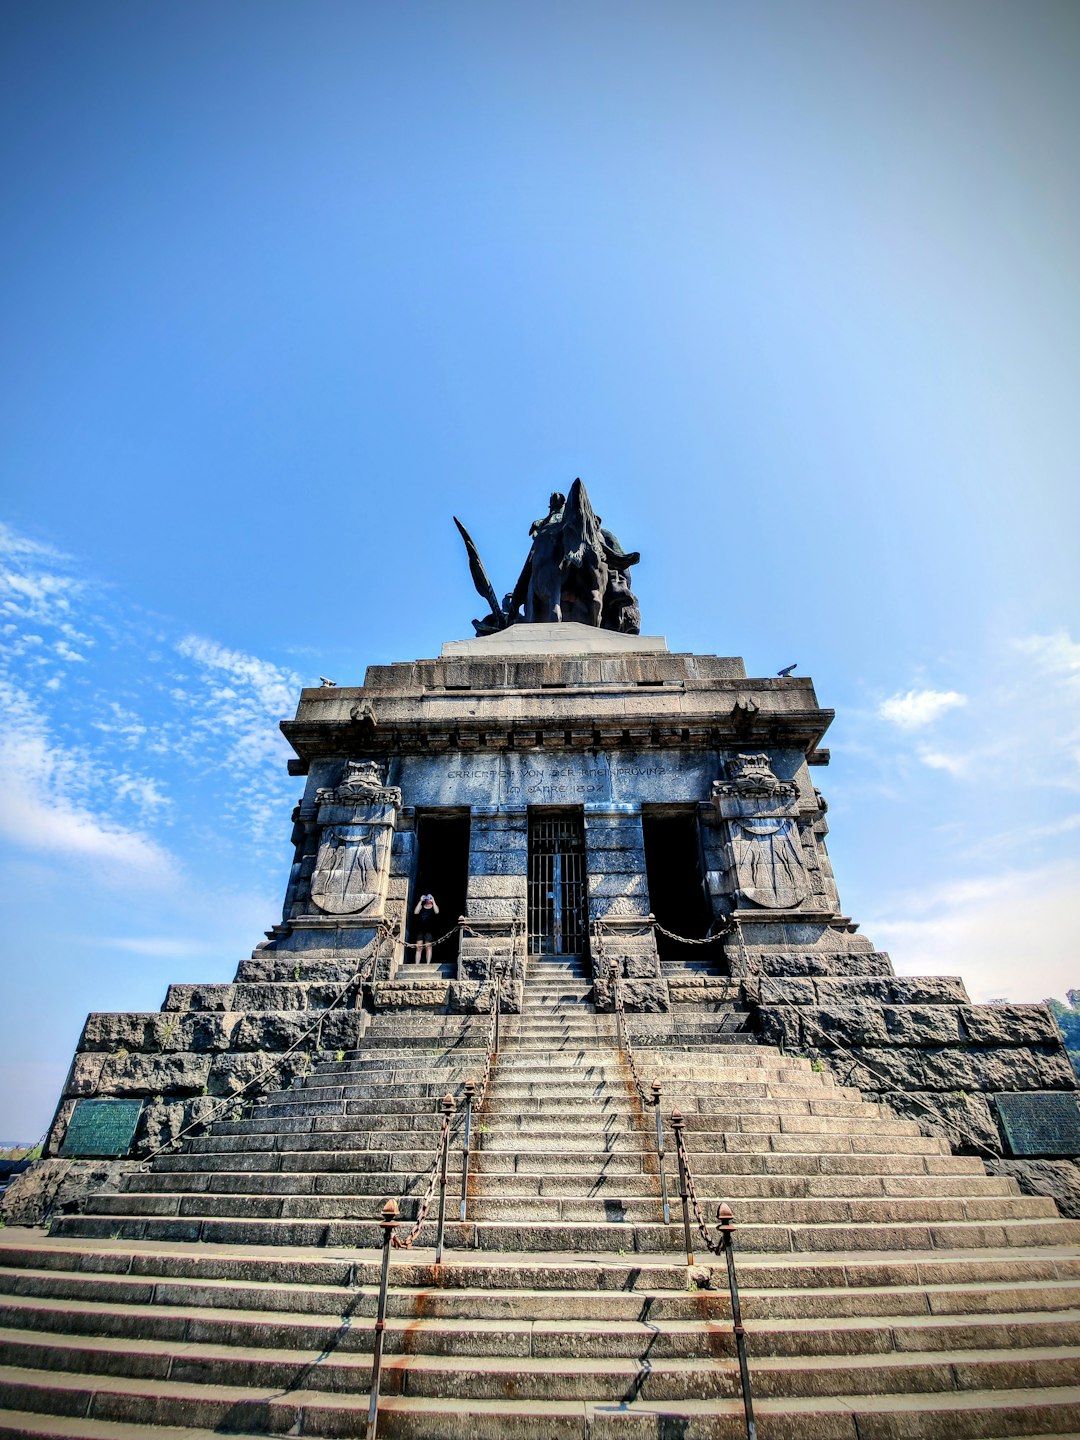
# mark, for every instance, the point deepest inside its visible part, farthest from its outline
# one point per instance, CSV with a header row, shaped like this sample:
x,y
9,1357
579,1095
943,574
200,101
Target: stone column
x,y
619,910
496,898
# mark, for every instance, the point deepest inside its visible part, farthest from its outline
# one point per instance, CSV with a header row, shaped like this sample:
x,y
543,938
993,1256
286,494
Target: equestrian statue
x,y
576,570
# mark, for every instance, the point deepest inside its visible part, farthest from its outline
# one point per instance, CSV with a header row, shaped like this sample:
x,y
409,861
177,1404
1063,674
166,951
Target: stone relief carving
x,y
753,775
769,862
352,865
362,784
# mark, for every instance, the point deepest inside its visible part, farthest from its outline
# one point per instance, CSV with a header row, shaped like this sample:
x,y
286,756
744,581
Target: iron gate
x,y
558,897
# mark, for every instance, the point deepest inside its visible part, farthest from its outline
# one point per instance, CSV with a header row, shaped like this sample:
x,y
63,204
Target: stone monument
x,y
605,826
564,780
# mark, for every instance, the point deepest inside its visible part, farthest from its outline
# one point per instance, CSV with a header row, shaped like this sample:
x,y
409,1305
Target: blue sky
x,y
793,286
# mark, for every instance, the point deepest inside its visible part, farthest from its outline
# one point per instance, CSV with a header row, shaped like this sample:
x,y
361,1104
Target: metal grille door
x,y
558,901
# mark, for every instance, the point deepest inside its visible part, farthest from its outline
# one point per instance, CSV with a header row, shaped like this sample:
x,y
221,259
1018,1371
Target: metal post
x,y
497,1002
470,1091
727,1231
448,1108
660,1151
613,976
389,1225
677,1124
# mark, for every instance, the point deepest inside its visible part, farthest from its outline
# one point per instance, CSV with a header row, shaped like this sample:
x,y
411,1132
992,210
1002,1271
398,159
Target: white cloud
x,y
1013,933
916,708
956,765
40,809
273,688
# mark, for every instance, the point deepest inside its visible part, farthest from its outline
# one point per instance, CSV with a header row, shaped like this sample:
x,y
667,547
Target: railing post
x,y
616,1001
660,1151
677,1124
500,970
726,1222
389,1225
448,1108
470,1091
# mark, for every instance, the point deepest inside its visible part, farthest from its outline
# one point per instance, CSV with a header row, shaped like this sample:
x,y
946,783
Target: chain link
x,y
686,940
645,1091
368,959
691,1191
478,1100
425,1204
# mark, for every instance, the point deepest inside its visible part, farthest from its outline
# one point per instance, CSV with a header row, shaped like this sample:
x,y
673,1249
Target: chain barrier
x,y
724,1245
686,939
688,1193
433,1180
475,1096
834,1044
369,956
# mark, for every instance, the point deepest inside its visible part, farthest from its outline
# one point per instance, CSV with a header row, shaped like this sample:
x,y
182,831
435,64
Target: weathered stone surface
x,y
497,862
1060,1179
271,1030
493,887
617,906
507,909
824,965
851,1024
928,989
55,1187
647,995
617,862
85,1074
792,990
151,1074
255,1072
402,993
474,997
604,884
1009,1024
922,1024
965,1120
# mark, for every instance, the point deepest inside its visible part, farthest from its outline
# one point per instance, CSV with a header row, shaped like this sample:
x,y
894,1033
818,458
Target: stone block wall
x,y
918,1043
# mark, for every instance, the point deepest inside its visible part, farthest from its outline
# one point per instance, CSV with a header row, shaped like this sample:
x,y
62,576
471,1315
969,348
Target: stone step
x,y
1052,1413
784,1321
786,1355
640,1238
940,1274
132,1368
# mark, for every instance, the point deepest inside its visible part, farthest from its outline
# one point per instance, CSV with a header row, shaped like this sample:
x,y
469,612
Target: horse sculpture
x,y
576,571
568,570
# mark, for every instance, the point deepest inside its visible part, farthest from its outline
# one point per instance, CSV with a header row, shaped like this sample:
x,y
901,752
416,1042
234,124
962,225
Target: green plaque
x,y
1041,1122
103,1128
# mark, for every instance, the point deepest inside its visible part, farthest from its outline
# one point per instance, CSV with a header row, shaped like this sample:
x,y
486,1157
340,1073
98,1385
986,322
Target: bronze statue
x,y
576,570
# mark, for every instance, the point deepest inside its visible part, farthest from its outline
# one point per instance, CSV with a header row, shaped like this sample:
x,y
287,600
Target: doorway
x,y
442,870
558,894
676,889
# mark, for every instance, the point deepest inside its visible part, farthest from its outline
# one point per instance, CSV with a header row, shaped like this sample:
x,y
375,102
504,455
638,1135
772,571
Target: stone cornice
x,y
796,729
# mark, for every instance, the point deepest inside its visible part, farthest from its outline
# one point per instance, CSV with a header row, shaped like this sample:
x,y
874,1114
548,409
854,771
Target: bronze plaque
x,y
102,1128
1042,1122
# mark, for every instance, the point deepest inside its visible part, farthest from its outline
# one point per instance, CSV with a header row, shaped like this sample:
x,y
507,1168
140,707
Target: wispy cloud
x,y
1011,933
916,708
99,733
42,807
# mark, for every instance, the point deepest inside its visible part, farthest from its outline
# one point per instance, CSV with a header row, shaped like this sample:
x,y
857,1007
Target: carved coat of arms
x,y
353,861
766,848
769,862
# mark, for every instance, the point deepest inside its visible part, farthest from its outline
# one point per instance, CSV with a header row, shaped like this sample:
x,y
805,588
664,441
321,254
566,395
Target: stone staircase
x,y
890,1289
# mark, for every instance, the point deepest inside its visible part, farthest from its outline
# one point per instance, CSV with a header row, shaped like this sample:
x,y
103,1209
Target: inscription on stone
x,y
102,1128
1043,1123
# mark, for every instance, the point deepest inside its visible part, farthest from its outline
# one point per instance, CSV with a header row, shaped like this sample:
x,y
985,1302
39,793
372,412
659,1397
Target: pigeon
x,y
787,669
326,683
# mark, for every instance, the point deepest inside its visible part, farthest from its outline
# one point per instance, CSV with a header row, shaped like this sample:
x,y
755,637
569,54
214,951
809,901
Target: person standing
x,y
427,910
